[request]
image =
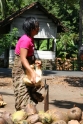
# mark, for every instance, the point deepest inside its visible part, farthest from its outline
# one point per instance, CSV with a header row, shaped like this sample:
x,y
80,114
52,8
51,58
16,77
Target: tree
x,y
3,4
6,41
81,23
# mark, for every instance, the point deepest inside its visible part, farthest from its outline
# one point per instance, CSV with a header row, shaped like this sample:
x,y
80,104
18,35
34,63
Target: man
x,y
80,52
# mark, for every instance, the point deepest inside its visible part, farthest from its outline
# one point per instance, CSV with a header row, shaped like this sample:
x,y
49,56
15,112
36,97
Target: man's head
x,y
31,26
80,52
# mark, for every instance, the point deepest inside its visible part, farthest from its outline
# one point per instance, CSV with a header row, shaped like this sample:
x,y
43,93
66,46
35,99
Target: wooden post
x,y
46,97
48,42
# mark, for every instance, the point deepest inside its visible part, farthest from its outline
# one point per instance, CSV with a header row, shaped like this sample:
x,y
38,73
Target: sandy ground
x,y
64,92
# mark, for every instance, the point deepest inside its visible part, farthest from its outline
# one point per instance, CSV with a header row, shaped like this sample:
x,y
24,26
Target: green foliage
x,y
67,11
43,44
67,45
8,40
3,6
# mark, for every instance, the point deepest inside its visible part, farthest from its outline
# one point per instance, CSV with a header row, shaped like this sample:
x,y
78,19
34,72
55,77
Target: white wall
x,y
48,29
38,54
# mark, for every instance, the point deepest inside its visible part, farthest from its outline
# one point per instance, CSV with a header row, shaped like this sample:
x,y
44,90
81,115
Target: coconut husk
x,y
73,122
59,122
30,109
28,82
75,113
58,115
18,116
7,116
2,103
23,122
38,123
3,121
44,117
33,119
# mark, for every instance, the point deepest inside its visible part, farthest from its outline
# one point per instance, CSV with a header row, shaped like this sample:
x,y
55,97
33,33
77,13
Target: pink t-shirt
x,y
27,43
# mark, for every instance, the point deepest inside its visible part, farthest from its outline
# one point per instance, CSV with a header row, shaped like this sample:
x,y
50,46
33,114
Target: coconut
x,y
33,119
28,82
27,77
81,122
45,117
59,122
30,109
51,111
73,122
3,121
7,117
38,123
23,122
58,115
18,116
75,113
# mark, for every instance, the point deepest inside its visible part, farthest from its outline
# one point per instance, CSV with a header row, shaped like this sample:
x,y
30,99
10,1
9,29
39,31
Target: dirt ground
x,y
64,92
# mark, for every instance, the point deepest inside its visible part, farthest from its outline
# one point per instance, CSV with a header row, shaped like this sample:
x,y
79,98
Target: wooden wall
x,y
48,29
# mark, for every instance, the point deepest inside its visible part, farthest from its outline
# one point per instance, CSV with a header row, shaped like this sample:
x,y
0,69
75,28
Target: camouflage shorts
x,y
21,91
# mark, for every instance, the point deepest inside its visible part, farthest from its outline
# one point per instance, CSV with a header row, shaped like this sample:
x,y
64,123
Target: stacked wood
x,y
48,64
68,64
63,64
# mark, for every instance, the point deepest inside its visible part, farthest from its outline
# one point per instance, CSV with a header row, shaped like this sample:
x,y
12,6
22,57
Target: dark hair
x,y
80,51
29,24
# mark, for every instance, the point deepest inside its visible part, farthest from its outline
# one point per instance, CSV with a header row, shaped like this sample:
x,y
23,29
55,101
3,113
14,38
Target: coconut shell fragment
x,y
59,122
33,119
30,109
3,121
2,103
7,116
1,97
73,122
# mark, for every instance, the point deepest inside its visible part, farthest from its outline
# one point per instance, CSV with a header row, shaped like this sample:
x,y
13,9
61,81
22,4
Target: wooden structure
x,y
49,27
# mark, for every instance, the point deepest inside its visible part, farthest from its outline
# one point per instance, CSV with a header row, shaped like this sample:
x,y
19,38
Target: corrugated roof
x,y
21,11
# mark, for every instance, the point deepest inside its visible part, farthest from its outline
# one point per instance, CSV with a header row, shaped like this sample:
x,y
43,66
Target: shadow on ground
x,y
6,93
5,72
74,81
66,104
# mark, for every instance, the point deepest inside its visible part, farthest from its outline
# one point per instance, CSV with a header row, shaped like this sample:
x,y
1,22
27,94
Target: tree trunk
x,y
81,23
6,58
80,31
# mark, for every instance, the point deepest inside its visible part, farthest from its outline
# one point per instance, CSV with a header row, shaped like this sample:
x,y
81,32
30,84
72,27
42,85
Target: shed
x,y
49,27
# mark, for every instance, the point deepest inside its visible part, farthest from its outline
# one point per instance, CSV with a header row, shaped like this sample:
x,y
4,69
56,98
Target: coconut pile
x,y
30,115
